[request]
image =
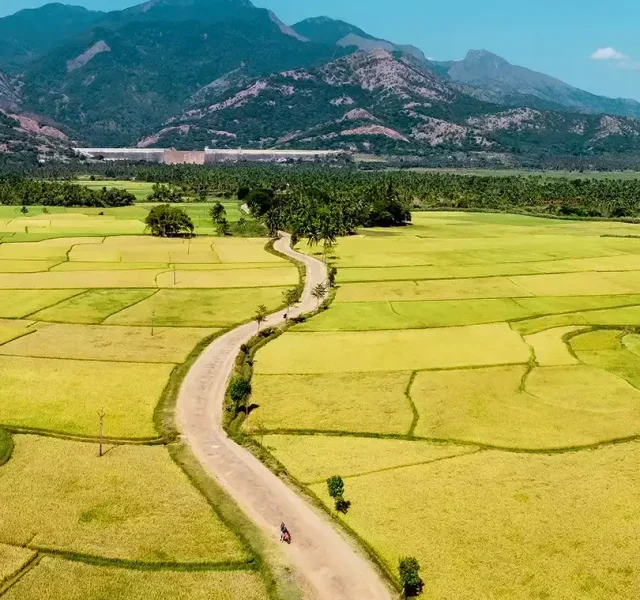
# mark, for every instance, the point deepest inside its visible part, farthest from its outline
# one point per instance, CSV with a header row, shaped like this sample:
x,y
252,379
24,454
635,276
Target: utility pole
x,y
101,414
153,319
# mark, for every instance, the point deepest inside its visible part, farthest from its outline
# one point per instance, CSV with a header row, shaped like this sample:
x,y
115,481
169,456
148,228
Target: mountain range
x,y
224,73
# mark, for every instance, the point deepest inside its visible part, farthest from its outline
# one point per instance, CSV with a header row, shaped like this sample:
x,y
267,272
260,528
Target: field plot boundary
x,y
456,442
89,439
9,582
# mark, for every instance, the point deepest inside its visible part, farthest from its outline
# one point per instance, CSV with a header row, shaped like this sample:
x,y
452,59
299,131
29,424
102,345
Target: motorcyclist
x,y
285,536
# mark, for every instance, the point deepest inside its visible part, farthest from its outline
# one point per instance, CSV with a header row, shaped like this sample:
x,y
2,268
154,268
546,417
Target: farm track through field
x,y
327,566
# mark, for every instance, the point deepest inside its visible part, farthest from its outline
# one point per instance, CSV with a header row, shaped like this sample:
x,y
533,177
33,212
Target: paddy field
x,y
476,382
96,318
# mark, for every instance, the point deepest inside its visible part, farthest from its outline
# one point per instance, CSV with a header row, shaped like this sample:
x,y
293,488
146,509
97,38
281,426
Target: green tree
x,y
331,276
217,213
24,210
335,487
222,228
165,220
412,584
319,292
261,315
314,237
260,201
239,392
165,193
388,209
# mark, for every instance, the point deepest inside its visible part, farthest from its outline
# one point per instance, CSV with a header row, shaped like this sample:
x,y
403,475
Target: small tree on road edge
x,y
319,292
239,391
290,298
261,315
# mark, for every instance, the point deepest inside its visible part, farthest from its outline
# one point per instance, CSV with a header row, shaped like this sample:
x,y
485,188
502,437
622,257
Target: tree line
x,y
609,198
18,191
347,190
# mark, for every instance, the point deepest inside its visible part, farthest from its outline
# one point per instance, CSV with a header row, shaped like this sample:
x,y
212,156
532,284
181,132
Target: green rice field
x,y
54,221
476,383
93,321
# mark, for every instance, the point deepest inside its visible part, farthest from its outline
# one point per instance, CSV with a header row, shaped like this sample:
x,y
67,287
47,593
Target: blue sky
x,y
558,37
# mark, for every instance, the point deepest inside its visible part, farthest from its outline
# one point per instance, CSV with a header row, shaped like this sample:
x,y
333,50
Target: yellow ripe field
x,y
515,474
197,308
95,325
237,278
56,579
134,503
516,526
549,347
452,347
27,266
359,402
315,458
16,304
66,395
109,343
10,329
12,560
552,407
92,307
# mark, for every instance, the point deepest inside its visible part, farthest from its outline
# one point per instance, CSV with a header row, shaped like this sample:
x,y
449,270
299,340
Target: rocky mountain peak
x,y
485,57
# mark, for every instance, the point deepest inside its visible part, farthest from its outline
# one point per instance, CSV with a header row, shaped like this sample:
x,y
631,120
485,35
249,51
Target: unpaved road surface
x,y
323,560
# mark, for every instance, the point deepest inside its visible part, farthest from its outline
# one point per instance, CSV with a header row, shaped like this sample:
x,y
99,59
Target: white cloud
x,y
616,58
609,53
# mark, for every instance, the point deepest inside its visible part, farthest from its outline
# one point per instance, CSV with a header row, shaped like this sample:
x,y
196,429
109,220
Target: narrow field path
x,y
329,567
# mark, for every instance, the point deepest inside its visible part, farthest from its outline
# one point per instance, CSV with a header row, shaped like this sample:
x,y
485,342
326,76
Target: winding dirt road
x,y
323,560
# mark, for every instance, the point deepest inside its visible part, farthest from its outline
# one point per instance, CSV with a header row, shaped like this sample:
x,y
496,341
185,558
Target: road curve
x,y
329,567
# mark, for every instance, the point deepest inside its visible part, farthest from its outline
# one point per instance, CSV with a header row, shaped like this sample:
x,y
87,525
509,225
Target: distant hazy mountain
x,y
324,30
492,78
135,68
378,100
30,33
224,73
9,91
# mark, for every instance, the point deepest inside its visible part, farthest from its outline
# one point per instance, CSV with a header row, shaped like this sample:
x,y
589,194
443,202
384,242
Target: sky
x,y
590,44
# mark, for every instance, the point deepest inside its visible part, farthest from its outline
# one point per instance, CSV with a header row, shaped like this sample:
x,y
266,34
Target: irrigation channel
x,y
324,561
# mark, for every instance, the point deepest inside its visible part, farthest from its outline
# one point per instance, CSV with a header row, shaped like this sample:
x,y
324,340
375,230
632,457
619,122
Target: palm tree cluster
x,y
322,215
348,193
